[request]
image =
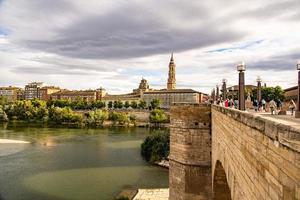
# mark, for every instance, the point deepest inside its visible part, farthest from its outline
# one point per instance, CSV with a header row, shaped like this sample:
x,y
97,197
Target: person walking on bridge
x,y
263,102
273,107
292,106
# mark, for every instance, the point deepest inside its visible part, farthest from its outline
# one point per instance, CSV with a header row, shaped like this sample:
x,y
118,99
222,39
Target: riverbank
x,y
7,141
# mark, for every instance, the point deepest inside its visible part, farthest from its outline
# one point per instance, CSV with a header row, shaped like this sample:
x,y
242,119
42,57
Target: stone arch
x,y
221,189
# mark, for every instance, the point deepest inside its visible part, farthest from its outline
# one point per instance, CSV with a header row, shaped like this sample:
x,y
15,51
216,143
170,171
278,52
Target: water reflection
x,y
63,163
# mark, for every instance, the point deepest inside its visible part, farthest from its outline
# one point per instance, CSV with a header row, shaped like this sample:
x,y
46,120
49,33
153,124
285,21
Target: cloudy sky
x,y
80,44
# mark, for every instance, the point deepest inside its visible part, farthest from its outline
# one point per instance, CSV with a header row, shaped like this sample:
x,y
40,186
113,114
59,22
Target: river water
x,y
65,163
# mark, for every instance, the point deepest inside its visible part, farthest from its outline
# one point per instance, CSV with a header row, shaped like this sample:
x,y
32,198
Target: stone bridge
x,y
220,153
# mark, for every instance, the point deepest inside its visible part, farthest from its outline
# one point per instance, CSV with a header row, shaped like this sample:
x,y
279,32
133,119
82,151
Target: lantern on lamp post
x,y
241,68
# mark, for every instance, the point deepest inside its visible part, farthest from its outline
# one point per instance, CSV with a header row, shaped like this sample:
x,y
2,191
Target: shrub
x,y
158,116
156,147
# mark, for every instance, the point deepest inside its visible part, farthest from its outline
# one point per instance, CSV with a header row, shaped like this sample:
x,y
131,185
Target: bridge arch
x,y
221,189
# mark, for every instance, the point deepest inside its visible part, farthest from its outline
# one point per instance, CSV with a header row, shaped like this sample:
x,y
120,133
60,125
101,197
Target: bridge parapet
x,y
260,157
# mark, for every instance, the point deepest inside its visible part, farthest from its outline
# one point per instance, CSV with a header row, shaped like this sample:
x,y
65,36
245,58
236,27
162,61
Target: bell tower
x,y
171,79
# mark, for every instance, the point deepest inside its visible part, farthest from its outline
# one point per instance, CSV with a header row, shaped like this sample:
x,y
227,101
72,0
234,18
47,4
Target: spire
x,y
172,58
171,79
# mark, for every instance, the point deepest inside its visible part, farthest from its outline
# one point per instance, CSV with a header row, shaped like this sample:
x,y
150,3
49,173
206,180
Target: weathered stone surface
x,y
259,156
190,152
252,157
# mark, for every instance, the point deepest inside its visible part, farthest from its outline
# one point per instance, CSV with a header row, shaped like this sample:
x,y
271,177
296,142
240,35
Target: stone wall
x,y
261,158
190,152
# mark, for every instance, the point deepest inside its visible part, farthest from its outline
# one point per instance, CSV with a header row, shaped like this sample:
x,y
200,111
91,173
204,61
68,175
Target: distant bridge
x,y
220,153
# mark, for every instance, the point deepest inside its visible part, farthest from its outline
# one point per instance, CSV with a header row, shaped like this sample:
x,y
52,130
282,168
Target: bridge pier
x,y
190,152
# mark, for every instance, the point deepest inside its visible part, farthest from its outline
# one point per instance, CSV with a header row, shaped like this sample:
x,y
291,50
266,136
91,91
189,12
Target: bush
x,y
97,117
121,118
158,116
156,147
3,116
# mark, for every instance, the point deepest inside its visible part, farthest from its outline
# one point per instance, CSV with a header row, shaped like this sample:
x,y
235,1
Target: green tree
x,y
3,100
270,93
155,103
133,104
110,104
158,116
142,104
116,104
120,104
156,147
3,116
126,104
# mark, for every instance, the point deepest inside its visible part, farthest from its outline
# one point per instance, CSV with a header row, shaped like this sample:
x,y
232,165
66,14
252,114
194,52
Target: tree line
x,y
64,112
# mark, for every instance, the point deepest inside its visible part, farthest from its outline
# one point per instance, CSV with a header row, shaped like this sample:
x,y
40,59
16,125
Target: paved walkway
x,y
283,119
152,194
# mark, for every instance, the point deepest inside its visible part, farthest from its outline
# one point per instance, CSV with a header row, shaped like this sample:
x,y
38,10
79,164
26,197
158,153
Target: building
x,y
9,93
20,94
32,90
86,95
130,97
291,94
172,95
166,96
171,85
169,97
45,92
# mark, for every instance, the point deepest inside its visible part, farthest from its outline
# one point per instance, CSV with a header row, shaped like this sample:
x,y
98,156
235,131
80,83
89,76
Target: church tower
x,y
171,79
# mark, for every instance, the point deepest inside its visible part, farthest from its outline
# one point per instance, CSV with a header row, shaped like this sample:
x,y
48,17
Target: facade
x,y
20,94
169,97
32,90
10,93
45,92
122,97
86,95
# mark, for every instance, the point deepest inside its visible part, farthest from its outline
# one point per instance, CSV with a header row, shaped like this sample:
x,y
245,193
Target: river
x,y
66,163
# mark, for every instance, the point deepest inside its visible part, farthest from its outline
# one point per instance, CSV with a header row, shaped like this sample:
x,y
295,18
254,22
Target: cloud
x,y
122,34
103,42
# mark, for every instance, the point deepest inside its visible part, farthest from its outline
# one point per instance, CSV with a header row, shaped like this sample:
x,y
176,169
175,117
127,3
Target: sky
x,y
79,44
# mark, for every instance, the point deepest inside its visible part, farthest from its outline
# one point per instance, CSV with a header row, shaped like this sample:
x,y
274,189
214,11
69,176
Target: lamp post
x,y
218,95
258,88
213,95
241,67
297,114
224,89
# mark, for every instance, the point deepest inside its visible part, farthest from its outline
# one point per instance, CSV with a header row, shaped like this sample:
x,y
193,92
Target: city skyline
x,y
108,44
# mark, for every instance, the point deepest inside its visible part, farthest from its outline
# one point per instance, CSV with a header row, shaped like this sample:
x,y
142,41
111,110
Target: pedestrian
x,y
226,103
236,104
273,107
259,105
255,105
292,106
263,102
279,104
